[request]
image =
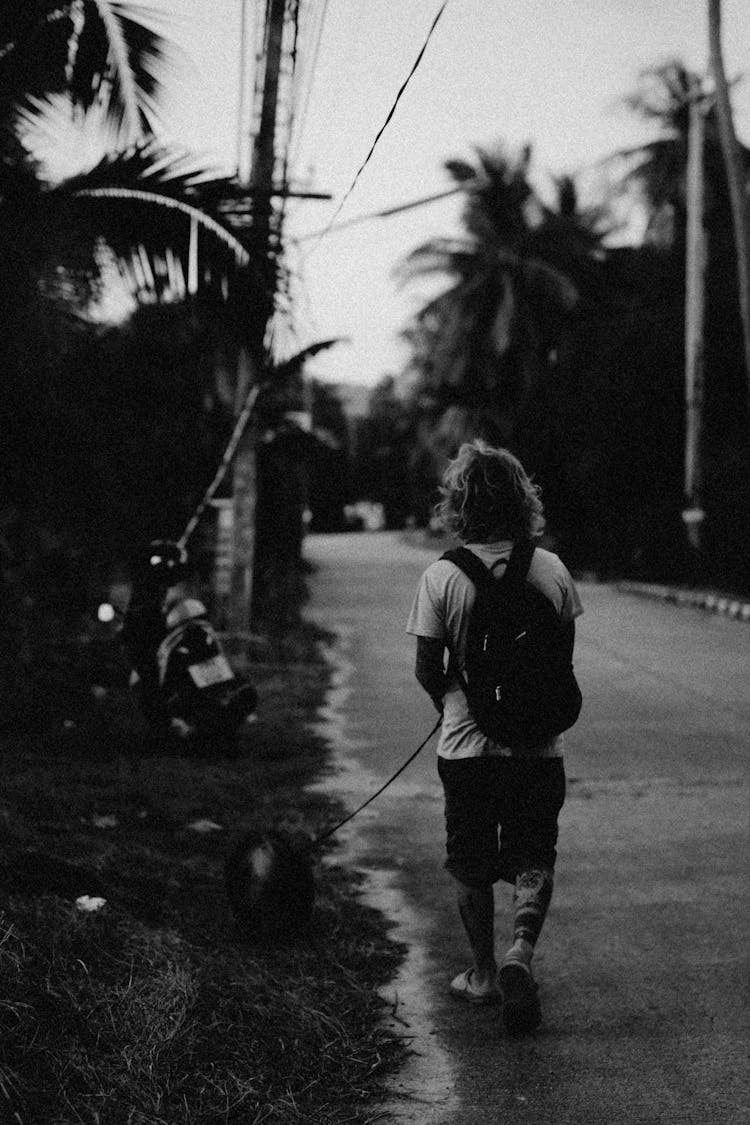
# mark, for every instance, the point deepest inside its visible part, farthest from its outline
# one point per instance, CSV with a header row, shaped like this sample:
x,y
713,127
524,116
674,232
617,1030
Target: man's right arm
x,y
429,669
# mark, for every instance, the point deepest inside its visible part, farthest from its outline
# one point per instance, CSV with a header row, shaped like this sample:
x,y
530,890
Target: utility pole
x,y
695,265
736,183
264,160
253,356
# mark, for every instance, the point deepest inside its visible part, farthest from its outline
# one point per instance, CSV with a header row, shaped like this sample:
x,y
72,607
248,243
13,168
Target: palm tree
x,y
78,58
66,67
480,346
664,97
150,217
145,223
142,212
658,168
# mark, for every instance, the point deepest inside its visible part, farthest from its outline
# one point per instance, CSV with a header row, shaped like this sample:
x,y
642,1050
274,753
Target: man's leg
x,y
477,909
471,846
531,898
537,797
535,793
476,906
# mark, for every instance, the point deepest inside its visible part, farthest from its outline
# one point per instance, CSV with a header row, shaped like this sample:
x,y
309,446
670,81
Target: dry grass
x,y
155,1010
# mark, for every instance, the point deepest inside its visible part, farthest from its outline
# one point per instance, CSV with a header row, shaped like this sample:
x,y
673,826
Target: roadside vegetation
x,y
153,1008
554,324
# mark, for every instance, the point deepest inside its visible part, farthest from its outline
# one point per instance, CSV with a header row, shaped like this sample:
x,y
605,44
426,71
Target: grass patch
x,y
156,1009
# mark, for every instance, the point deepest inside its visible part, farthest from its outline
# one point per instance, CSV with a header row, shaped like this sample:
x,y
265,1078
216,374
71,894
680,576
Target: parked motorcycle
x,y
186,687
205,701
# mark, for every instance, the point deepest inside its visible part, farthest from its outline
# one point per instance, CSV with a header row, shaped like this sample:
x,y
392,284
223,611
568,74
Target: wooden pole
x,y
253,358
694,322
735,173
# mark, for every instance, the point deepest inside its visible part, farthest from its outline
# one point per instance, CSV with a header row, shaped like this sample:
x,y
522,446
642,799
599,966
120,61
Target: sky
x,y
550,72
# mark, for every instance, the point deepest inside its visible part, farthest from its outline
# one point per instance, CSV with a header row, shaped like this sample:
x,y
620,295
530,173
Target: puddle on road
x,y
422,1090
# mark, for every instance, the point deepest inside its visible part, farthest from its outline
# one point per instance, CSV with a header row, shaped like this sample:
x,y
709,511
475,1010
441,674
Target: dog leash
x,y
399,771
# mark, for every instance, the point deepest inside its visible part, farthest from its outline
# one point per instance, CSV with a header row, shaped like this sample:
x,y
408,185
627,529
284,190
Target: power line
x,y
293,53
384,214
310,68
383,127
243,79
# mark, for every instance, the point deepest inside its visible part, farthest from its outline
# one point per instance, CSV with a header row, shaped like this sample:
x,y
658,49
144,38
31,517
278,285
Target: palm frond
x,y
99,52
64,142
460,171
440,255
168,202
174,171
138,189
663,94
294,363
552,285
135,54
641,153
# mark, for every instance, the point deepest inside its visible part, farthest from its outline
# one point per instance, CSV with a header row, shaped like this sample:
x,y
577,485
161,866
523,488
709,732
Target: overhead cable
x,y
385,124
384,214
308,81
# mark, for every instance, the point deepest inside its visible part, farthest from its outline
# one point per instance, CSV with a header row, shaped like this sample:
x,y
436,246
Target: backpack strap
x,y
476,572
467,561
474,569
518,563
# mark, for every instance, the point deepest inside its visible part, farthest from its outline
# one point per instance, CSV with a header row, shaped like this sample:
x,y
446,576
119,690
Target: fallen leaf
x,y
107,821
88,903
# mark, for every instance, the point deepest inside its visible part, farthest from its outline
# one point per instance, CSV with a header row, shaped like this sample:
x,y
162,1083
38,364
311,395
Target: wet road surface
x,y
643,963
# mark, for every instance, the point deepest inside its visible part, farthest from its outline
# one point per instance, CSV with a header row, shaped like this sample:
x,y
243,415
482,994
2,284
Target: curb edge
x,y
724,604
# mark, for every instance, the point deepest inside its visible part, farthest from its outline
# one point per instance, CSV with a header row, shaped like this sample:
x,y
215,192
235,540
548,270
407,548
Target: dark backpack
x,y
519,680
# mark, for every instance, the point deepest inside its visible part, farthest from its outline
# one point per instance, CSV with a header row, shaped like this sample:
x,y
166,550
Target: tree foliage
x,y
108,432
479,343
549,338
90,53
385,465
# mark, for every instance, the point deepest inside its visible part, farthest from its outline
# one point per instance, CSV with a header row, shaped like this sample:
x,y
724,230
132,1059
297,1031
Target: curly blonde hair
x,y
487,495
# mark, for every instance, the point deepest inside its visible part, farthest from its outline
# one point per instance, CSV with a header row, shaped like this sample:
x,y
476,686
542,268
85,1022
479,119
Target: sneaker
x,y
463,988
521,1009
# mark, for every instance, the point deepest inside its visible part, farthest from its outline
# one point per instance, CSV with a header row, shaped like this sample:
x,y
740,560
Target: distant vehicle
x,y
365,515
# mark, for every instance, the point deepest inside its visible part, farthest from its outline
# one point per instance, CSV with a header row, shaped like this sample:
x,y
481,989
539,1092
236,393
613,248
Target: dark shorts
x,y
500,816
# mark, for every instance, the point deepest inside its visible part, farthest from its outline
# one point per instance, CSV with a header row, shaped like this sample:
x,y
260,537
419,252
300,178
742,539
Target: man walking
x,y
501,801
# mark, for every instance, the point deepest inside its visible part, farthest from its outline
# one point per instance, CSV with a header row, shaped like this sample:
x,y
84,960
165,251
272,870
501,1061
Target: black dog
x,y
269,883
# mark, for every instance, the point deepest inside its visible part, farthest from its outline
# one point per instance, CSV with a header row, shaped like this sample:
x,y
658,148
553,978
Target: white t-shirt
x,y
441,611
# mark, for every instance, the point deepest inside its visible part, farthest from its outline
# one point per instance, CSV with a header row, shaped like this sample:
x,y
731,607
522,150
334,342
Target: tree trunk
x,y
735,177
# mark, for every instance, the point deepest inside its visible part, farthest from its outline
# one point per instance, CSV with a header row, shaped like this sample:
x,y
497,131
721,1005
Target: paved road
x,y
643,964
